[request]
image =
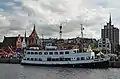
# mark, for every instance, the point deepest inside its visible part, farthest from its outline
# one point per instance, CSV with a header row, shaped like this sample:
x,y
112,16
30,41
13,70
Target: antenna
x,y
82,31
60,28
60,31
82,37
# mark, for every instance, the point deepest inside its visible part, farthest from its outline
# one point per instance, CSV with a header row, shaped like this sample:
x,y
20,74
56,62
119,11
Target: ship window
x,y
32,52
35,59
87,58
45,53
40,53
55,53
50,53
28,58
67,52
82,58
92,57
66,59
40,59
36,53
53,59
75,51
28,52
24,59
61,59
99,45
48,59
78,58
57,59
103,45
32,59
61,53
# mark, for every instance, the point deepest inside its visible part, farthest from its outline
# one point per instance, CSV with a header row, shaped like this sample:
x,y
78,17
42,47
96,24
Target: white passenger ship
x,y
51,56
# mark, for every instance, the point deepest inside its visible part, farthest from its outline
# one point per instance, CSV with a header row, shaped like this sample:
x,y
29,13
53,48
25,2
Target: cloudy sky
x,y
16,16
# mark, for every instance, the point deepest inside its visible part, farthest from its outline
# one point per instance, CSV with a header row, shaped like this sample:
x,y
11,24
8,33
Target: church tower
x,y
33,38
24,41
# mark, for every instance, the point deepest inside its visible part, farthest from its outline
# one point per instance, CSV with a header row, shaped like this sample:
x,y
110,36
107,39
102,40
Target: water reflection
x,y
12,71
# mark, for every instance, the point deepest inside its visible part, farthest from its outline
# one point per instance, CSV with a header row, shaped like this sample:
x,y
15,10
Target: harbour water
x,y
16,71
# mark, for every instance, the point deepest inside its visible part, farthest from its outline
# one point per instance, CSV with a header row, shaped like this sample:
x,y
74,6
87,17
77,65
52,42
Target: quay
x,y
114,64
10,60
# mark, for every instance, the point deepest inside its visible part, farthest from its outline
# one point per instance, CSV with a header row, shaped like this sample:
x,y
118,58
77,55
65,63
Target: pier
x,y
10,60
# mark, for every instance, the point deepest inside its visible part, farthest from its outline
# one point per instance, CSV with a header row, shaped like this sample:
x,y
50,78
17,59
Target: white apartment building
x,y
104,45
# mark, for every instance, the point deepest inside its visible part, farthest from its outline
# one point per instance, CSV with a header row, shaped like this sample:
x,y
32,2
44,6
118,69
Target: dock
x,y
10,60
114,64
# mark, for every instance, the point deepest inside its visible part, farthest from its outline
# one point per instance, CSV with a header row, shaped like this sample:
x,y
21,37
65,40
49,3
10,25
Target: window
x,y
53,59
75,51
61,53
24,59
45,53
48,59
35,59
32,59
92,57
32,52
103,45
99,45
78,58
40,53
57,59
50,53
55,53
36,53
87,58
108,45
40,59
103,42
28,52
67,52
82,58
28,58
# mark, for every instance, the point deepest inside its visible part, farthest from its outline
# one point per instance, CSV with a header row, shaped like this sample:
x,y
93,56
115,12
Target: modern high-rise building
x,y
112,33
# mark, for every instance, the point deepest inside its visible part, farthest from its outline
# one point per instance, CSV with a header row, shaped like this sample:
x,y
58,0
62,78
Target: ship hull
x,y
103,64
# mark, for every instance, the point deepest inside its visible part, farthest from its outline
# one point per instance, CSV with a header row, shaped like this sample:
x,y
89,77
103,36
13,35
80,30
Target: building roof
x,y
34,33
10,41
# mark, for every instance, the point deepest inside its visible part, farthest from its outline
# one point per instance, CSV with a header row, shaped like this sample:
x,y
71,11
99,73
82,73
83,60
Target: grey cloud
x,y
21,17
